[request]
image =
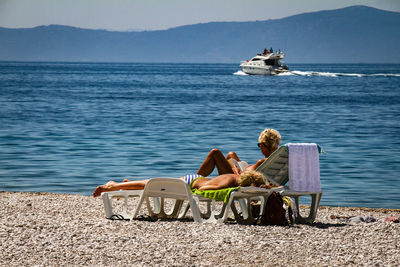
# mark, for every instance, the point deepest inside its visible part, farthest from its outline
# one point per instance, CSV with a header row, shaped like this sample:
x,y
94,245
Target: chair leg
x,y
184,211
315,199
247,212
107,205
125,208
175,209
208,212
229,206
139,205
246,217
211,215
158,204
158,210
195,210
314,206
244,204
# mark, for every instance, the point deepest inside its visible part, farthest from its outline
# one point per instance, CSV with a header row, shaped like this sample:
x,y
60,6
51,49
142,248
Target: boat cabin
x,y
267,61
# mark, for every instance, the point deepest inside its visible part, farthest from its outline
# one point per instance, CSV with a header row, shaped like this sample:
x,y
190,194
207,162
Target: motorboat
x,y
266,63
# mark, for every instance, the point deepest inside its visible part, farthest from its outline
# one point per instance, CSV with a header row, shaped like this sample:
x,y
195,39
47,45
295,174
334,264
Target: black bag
x,y
274,212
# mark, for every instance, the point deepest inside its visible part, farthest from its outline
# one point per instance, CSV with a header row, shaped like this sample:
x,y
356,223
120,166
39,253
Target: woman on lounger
x,y
229,176
246,178
269,141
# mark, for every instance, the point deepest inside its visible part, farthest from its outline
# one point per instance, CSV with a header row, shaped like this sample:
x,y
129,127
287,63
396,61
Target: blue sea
x,y
68,127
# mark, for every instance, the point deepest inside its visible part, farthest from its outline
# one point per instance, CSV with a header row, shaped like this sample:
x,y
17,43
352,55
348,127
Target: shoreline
x,y
62,229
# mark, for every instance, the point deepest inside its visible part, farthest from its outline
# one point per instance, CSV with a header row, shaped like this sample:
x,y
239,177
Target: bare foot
x,y
103,188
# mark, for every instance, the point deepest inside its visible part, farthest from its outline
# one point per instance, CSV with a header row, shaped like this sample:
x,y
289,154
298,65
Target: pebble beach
x,y
46,229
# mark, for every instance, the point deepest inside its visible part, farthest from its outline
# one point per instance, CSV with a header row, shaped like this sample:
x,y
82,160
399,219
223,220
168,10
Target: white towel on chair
x,y
304,172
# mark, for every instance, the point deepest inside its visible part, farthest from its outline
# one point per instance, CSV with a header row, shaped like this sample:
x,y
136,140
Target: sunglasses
x,y
259,144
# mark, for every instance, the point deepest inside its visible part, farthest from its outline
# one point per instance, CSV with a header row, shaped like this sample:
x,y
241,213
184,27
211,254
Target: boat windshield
x,y
270,62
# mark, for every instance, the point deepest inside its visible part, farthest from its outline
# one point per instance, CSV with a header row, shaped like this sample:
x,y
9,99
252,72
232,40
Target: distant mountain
x,y
356,34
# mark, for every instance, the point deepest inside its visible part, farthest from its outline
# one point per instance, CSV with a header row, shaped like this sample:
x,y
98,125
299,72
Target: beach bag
x,y
275,212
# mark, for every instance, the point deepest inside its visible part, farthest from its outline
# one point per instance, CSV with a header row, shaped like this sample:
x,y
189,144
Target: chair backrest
x,y
167,188
276,167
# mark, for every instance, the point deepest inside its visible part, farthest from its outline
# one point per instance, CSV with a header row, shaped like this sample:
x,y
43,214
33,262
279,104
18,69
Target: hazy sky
x,y
160,14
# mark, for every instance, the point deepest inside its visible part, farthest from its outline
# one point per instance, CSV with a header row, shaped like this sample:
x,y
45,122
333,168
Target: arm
x,y
232,155
235,170
255,166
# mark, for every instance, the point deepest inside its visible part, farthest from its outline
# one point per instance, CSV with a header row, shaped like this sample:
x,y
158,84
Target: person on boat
x,y
271,50
265,51
269,141
247,178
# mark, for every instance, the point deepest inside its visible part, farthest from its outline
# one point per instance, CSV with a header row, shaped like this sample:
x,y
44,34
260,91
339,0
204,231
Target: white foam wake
x,y
335,74
239,72
327,74
386,74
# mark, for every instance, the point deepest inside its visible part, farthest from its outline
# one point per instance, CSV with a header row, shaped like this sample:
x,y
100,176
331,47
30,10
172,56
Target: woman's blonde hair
x,y
270,138
251,178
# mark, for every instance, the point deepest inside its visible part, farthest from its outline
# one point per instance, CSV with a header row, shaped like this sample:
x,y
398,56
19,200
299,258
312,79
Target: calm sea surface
x,y
67,127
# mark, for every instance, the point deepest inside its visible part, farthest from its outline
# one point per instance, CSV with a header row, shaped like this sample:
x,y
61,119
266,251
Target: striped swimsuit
x,y
190,178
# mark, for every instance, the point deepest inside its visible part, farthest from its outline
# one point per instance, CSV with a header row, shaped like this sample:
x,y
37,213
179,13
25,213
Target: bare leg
x,y
215,159
113,186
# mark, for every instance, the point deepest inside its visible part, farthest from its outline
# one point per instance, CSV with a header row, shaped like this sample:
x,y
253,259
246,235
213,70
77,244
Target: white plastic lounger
x,y
243,196
158,189
297,163
301,169
125,195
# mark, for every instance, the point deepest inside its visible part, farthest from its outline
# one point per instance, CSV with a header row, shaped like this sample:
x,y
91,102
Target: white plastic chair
x,y
171,188
277,171
158,189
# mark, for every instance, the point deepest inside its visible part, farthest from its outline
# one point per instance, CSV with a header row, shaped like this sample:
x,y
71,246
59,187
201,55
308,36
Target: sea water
x,y
68,127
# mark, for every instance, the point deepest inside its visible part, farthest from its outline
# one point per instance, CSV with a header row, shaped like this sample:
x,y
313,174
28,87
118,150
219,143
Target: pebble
x,y
61,229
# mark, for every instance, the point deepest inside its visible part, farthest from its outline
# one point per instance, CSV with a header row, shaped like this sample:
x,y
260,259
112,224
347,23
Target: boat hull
x,y
256,70
262,70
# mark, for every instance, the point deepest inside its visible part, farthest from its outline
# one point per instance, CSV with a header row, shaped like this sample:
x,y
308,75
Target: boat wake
x,y
326,74
239,72
333,74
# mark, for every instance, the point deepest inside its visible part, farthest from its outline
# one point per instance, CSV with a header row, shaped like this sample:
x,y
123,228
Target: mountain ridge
x,y
348,35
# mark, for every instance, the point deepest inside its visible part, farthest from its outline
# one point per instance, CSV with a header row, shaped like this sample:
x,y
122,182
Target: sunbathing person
x,y
229,175
247,178
269,141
